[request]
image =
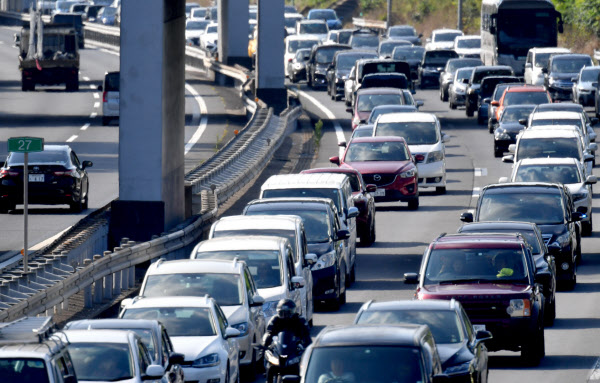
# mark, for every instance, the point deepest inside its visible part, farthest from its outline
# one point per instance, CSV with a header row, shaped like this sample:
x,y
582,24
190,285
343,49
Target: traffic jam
x,y
242,306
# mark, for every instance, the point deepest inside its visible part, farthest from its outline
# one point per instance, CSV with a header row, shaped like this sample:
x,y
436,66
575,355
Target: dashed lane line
x,y
94,115
72,138
480,172
84,127
96,95
476,192
96,105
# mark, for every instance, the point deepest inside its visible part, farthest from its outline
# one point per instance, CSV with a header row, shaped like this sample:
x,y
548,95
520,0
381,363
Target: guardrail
x,y
365,23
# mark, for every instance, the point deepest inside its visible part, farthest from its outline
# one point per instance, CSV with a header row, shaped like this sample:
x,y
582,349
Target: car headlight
x,y
408,174
324,261
471,91
459,90
459,368
579,196
500,134
242,328
356,121
584,90
206,361
269,308
563,239
519,308
435,157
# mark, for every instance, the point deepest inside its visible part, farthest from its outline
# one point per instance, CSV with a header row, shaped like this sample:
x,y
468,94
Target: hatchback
x,y
110,97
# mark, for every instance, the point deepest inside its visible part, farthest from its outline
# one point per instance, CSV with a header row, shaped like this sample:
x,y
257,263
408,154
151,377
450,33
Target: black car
x,y
74,19
297,67
432,65
319,61
386,47
550,206
559,74
568,107
486,91
447,75
340,68
509,126
462,350
496,96
473,88
364,39
372,353
413,56
325,238
385,80
543,260
56,177
404,32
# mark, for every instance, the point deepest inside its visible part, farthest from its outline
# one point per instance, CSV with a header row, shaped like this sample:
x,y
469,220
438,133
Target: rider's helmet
x,y
286,308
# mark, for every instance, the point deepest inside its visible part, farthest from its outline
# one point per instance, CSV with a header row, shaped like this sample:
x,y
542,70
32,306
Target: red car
x,y
521,95
367,99
363,200
385,162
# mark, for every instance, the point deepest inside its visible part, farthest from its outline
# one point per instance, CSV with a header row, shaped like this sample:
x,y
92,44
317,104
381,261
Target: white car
x,y
194,29
229,283
110,97
457,90
290,20
468,46
423,134
563,118
442,39
109,356
315,28
537,59
199,330
293,43
584,90
271,262
287,226
208,40
198,13
568,171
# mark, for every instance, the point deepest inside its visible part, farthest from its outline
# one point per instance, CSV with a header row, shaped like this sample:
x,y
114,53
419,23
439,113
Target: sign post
x,y
25,145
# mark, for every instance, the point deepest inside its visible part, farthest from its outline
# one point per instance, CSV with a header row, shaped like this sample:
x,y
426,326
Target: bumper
x,y
404,190
508,333
457,99
432,175
246,349
503,144
431,79
325,283
203,375
560,94
320,79
586,99
40,195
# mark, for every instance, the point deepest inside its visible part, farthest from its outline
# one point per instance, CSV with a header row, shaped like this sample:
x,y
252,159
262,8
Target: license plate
x,y
36,178
478,327
380,193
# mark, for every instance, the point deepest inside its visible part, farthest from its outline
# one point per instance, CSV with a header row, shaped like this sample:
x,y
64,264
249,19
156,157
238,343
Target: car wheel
x,y
4,208
480,119
440,190
498,152
76,207
550,313
570,284
251,368
490,126
534,349
366,235
105,120
84,205
444,95
452,105
441,94
413,204
353,274
470,112
587,227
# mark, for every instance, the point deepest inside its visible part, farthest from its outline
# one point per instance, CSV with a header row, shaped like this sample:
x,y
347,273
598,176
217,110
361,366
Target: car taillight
x,y
67,173
8,173
290,60
104,96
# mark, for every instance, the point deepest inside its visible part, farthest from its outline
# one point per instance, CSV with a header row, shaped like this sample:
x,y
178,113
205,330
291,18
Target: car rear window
x,y
548,148
520,98
415,133
111,82
536,207
45,157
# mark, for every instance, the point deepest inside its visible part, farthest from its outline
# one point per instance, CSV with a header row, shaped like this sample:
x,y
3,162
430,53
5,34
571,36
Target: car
x,y
198,13
331,37
363,130
270,261
543,260
364,40
342,36
194,28
447,75
468,46
366,353
457,89
570,107
293,44
404,32
567,171
154,336
563,118
423,134
208,39
325,236
537,59
314,28
357,73
492,88
199,330
56,177
386,109
462,350
296,68
442,39
560,71
584,87
110,97
91,12
474,86
384,161
189,7
229,283
107,16
367,99
29,353
413,56
328,15
290,20
509,126
63,6
362,195
497,289
212,13
550,206
339,70
432,65
109,356
320,59
78,8
521,95
386,47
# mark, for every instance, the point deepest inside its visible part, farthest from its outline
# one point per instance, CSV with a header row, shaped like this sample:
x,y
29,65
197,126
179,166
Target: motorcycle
x,y
283,356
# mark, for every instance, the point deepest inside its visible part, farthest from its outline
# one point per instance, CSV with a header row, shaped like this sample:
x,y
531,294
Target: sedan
x,y
462,350
297,67
509,126
367,99
387,163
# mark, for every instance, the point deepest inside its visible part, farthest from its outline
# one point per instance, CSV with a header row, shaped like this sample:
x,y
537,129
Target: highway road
x,y
212,113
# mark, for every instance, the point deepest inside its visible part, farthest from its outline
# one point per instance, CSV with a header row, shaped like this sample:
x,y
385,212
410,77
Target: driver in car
x,y
337,374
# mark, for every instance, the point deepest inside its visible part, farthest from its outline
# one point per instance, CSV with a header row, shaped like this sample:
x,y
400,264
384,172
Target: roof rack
x,y
26,330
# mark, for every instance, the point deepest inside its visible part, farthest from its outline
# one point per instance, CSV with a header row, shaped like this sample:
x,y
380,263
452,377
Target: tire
x,y
570,284
85,203
470,112
498,153
452,105
480,120
534,349
444,95
76,207
105,121
587,228
366,236
550,313
441,94
24,86
490,126
309,81
413,204
353,274
4,208
440,190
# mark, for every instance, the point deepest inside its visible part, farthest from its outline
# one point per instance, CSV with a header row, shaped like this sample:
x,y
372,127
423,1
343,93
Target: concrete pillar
x,y
152,118
233,32
269,71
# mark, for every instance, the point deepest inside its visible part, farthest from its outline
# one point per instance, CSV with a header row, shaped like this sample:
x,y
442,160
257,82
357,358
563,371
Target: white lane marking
x,y
96,95
84,127
92,86
480,172
595,373
1,42
85,78
109,51
96,105
476,192
203,119
72,138
93,115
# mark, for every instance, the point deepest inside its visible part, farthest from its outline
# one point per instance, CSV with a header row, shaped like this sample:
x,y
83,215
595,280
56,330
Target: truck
x,y
52,57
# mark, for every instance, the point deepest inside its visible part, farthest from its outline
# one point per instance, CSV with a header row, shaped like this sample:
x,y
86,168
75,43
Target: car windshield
x,y
570,64
211,29
322,14
107,362
46,157
109,11
548,148
478,75
225,288
403,31
358,364
179,321
290,22
325,55
316,222
289,234
530,236
444,324
499,91
376,151
264,265
415,133
558,121
386,48
362,132
294,45
541,59
516,113
520,98
468,43
485,264
455,64
464,73
590,75
346,61
445,37
147,339
197,25
199,12
407,53
564,174
344,37
366,41
366,102
19,370
439,57
314,28
540,208
378,111
331,193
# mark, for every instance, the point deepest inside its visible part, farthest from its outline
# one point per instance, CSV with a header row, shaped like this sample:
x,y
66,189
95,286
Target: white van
x,y
537,59
110,97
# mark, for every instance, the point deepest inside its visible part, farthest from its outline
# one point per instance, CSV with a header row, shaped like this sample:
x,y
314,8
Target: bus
x,y
509,28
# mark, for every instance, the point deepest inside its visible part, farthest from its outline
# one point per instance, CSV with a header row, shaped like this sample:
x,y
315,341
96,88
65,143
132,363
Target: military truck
x,y
53,60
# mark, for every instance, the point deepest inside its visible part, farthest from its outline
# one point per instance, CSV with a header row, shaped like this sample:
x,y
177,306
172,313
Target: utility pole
x,y
459,23
389,13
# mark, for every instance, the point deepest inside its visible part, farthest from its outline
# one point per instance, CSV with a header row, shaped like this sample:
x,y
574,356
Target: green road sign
x,y
25,144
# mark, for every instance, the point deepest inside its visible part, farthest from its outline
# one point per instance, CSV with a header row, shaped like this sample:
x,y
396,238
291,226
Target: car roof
x,y
302,37
379,139
242,242
100,336
550,50
257,222
478,240
308,203
446,30
217,266
370,335
469,37
548,161
379,90
525,88
293,181
427,304
497,225
570,56
488,67
547,131
520,187
90,324
556,115
313,21
407,117
171,301
565,106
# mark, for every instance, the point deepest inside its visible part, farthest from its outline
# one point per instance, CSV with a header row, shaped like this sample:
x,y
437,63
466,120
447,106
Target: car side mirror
x,y
574,79
334,160
523,121
591,180
528,66
257,300
290,379
371,188
481,336
466,217
512,148
100,88
411,278
502,180
594,120
298,282
543,278
176,358
487,100
593,147
419,103
231,332
154,372
588,158
311,258
576,216
509,159
545,70
342,144
349,110
86,164
495,103
465,80
343,234
420,35
352,212
445,138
